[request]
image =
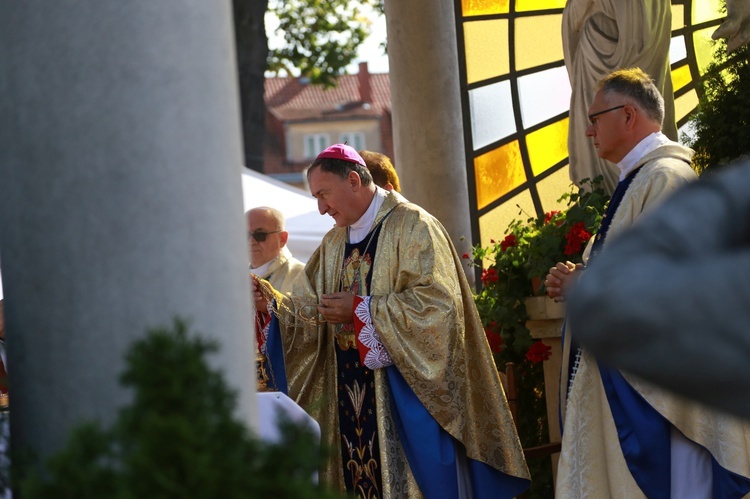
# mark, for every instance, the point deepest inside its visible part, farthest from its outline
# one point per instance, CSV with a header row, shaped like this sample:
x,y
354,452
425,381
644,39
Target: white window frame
x,y
354,139
314,143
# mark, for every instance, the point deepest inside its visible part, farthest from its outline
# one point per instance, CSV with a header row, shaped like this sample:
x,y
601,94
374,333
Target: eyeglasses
x,y
260,235
592,116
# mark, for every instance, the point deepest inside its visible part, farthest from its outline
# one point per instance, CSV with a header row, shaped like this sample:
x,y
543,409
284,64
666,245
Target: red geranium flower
x,y
489,275
576,236
549,216
493,337
538,352
508,242
466,256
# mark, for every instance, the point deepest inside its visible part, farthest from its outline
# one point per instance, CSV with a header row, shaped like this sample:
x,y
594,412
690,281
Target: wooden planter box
x,y
545,324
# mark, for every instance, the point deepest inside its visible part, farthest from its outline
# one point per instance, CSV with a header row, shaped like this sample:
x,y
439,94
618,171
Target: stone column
x,y
427,118
120,199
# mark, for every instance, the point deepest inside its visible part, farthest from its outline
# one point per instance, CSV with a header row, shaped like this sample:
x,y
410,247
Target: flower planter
x,y
545,323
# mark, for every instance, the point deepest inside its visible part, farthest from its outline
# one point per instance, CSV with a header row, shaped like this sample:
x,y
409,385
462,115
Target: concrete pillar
x,y
120,199
426,105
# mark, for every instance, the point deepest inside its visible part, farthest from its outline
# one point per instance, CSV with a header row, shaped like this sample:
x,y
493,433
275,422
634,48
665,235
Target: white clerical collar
x,y
262,270
359,229
645,146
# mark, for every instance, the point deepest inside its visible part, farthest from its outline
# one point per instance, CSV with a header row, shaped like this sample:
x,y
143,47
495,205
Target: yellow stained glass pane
x,y
706,10
684,104
497,172
492,225
551,188
538,41
484,7
548,146
529,5
704,48
486,49
678,16
681,77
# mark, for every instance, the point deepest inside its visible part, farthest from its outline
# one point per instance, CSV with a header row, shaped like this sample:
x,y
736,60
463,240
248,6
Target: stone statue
x,y
736,27
600,36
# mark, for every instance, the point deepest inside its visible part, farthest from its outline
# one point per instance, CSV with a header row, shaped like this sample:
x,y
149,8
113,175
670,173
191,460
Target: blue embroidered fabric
x,y
431,453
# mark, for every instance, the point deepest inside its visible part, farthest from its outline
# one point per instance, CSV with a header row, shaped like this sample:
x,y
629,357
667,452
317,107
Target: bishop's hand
x,y
337,308
262,289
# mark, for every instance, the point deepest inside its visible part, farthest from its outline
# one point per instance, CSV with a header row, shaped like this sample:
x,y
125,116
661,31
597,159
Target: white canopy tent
x,y
305,225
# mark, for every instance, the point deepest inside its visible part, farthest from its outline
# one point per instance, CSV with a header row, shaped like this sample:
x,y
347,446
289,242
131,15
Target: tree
x,y
252,54
321,38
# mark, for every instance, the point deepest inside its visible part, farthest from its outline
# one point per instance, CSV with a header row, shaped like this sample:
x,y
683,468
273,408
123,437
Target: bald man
x,y
269,256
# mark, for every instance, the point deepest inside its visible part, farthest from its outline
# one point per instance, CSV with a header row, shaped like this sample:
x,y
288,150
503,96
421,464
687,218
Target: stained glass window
x,y
516,95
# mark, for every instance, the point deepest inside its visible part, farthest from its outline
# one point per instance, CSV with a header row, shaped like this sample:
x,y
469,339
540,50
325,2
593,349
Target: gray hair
x,y
341,168
275,214
638,87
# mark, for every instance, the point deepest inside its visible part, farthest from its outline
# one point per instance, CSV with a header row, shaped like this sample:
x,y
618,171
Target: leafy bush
x,y
722,121
527,252
178,439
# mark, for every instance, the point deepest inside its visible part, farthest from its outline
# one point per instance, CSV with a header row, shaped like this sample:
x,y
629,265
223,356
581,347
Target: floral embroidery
x,y
362,463
377,356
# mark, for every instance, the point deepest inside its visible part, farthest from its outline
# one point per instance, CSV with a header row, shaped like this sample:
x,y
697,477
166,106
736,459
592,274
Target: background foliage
x,y
321,38
722,122
529,249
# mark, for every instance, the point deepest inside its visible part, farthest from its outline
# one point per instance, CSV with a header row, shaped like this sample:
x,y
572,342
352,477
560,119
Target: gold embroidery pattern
x,y
354,267
362,464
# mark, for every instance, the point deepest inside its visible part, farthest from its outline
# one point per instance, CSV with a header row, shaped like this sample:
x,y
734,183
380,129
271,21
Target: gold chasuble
x,y
423,311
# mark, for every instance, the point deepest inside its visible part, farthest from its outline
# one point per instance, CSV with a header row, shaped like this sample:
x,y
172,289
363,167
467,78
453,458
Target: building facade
x,y
302,119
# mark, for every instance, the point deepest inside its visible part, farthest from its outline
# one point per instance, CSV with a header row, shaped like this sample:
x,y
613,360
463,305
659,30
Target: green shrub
x,y
722,121
178,438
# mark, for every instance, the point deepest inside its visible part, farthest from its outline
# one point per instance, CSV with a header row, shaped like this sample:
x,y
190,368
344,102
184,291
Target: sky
x,y
369,51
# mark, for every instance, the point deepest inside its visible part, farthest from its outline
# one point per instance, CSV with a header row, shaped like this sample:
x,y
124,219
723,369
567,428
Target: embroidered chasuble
x,y
360,450
617,428
408,397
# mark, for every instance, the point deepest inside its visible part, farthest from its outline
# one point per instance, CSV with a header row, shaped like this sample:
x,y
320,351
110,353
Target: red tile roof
x,y
291,99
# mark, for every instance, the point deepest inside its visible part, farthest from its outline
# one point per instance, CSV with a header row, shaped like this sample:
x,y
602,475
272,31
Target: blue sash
x,y
276,367
645,441
431,453
601,234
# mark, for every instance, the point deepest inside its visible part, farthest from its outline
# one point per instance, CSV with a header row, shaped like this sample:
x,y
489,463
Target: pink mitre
x,y
343,152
